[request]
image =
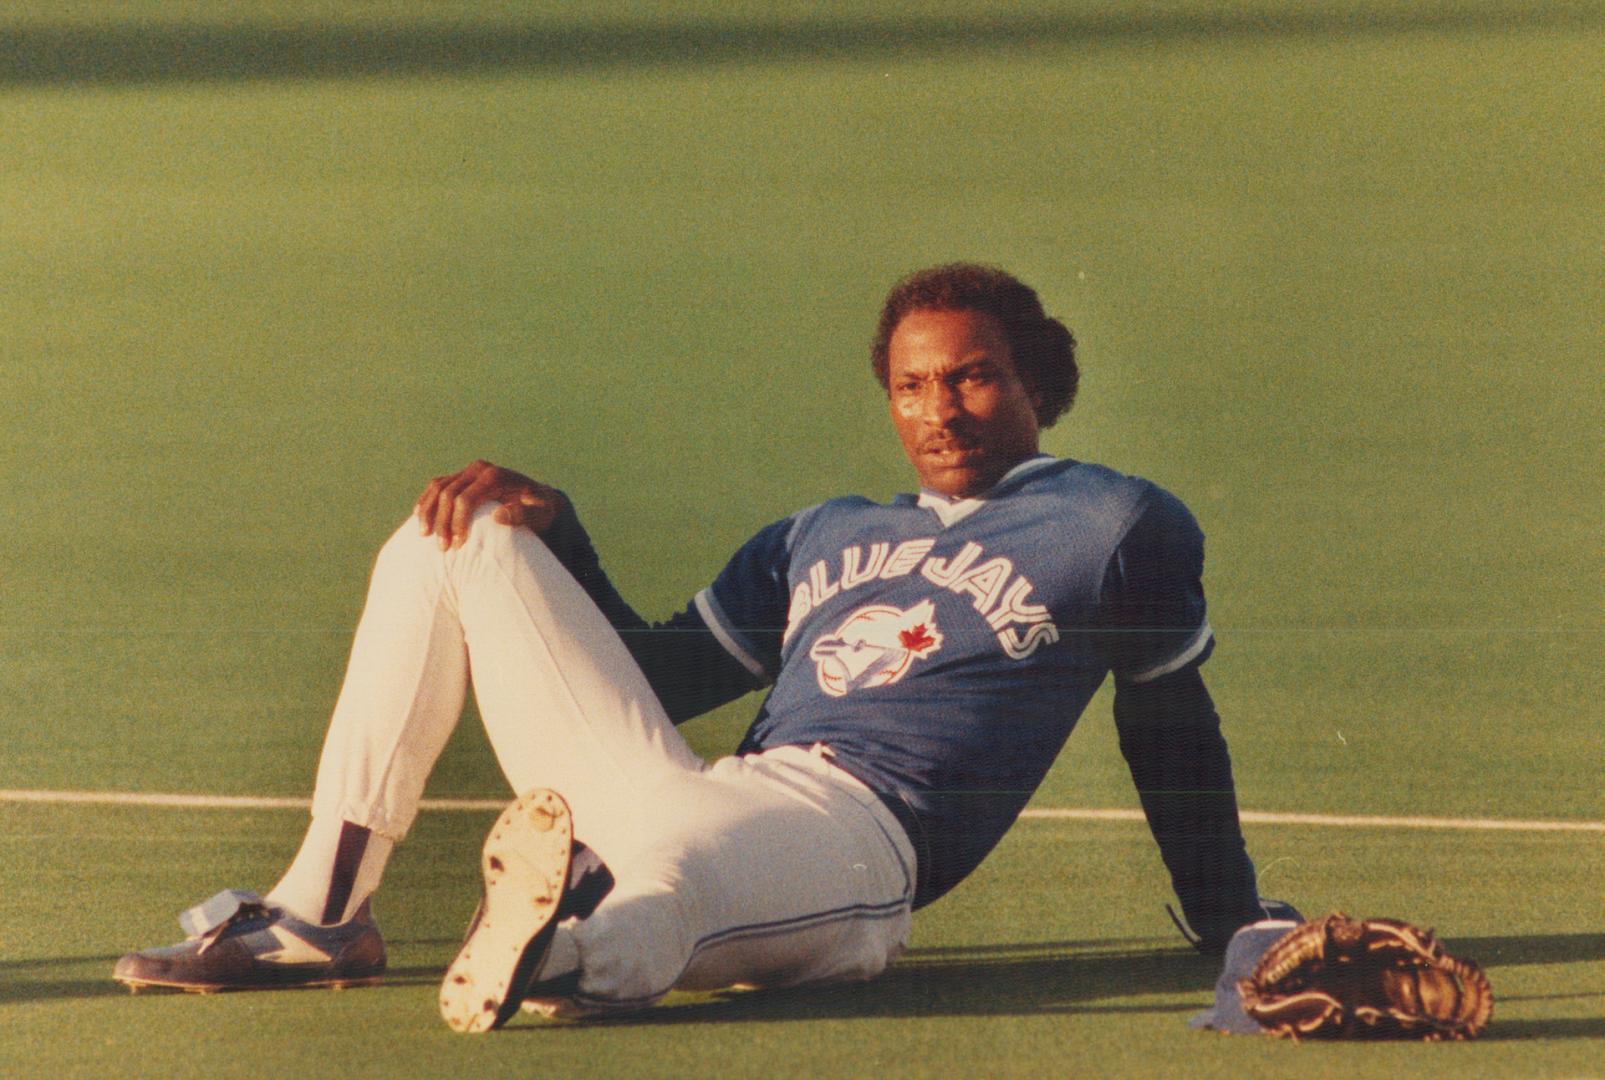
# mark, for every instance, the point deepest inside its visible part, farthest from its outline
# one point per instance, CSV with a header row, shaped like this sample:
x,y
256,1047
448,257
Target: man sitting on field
x,y
926,660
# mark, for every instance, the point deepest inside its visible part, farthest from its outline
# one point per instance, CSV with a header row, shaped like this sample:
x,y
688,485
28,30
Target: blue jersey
x,y
943,650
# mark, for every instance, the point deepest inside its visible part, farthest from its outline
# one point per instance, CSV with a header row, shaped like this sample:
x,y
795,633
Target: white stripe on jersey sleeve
x,y
1180,660
711,614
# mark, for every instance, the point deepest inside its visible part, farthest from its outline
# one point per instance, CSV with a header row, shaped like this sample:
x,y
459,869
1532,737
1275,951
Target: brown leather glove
x,y
1339,977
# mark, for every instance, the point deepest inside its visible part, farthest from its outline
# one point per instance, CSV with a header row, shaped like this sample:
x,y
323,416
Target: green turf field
x,y
1336,271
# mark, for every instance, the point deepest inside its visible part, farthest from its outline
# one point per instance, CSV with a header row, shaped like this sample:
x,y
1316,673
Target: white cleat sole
x,y
525,863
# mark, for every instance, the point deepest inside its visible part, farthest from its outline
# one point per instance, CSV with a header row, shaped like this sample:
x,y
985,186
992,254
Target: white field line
x,y
210,802
1348,821
1251,817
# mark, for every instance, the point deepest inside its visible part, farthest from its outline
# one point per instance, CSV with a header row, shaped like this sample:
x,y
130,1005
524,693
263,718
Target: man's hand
x,y
448,503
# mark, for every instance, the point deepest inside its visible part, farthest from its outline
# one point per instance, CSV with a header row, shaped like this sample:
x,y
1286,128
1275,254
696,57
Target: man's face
x,y
963,414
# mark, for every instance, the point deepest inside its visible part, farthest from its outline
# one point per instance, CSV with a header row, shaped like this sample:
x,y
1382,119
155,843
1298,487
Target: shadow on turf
x,y
43,54
1035,977
17,987
1578,1027
1017,979
1074,977
1516,949
972,982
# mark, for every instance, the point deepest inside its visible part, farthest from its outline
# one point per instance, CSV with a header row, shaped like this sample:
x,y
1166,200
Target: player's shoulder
x,y
833,514
1090,487
840,506
1117,503
846,507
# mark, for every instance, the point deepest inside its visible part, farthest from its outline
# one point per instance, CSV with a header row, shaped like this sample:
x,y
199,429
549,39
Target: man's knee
x,y
484,529
634,948
409,547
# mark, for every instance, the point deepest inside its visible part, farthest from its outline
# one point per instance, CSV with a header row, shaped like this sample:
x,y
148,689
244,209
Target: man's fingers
x,y
466,501
446,516
424,508
446,507
440,515
445,504
445,501
429,503
539,507
531,505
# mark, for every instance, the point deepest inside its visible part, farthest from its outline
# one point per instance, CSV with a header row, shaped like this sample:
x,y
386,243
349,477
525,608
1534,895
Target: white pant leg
x,y
768,870
773,870
402,695
563,702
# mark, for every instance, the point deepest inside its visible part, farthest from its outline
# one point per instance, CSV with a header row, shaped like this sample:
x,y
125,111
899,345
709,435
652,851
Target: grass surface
x,y
1057,952
1335,272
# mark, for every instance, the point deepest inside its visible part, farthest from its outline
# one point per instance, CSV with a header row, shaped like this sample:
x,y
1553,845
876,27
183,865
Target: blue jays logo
x,y
875,646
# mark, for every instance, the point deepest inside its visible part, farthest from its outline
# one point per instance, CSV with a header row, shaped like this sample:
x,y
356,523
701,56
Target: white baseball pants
x,y
769,870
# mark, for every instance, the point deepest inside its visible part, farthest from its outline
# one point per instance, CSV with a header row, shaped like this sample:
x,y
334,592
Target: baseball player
x,y
925,660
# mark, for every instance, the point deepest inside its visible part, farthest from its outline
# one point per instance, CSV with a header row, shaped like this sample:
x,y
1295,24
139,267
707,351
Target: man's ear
x,y
1034,396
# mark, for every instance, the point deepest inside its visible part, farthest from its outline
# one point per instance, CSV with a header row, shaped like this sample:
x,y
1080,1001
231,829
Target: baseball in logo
x,y
875,646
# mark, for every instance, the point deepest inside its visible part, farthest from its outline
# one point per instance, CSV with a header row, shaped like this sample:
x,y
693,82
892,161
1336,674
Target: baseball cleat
x,y
237,941
526,865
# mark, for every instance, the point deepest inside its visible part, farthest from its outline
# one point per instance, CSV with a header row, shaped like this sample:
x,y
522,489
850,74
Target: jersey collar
x,y
949,511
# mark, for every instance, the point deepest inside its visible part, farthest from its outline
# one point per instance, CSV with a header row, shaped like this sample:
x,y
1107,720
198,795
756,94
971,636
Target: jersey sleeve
x,y
1171,739
1152,603
745,607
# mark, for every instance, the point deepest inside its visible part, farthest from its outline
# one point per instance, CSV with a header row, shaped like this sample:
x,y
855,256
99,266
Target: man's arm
x,y
1170,736
1156,637
687,667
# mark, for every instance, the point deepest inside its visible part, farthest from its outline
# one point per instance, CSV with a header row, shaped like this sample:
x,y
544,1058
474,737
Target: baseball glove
x,y
1339,977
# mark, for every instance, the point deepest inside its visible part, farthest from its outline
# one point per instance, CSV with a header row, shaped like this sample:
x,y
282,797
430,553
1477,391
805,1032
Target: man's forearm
x,y
687,668
1170,736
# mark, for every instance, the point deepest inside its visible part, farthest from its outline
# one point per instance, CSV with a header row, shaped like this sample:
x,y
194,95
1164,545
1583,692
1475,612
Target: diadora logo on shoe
x,y
875,646
293,949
